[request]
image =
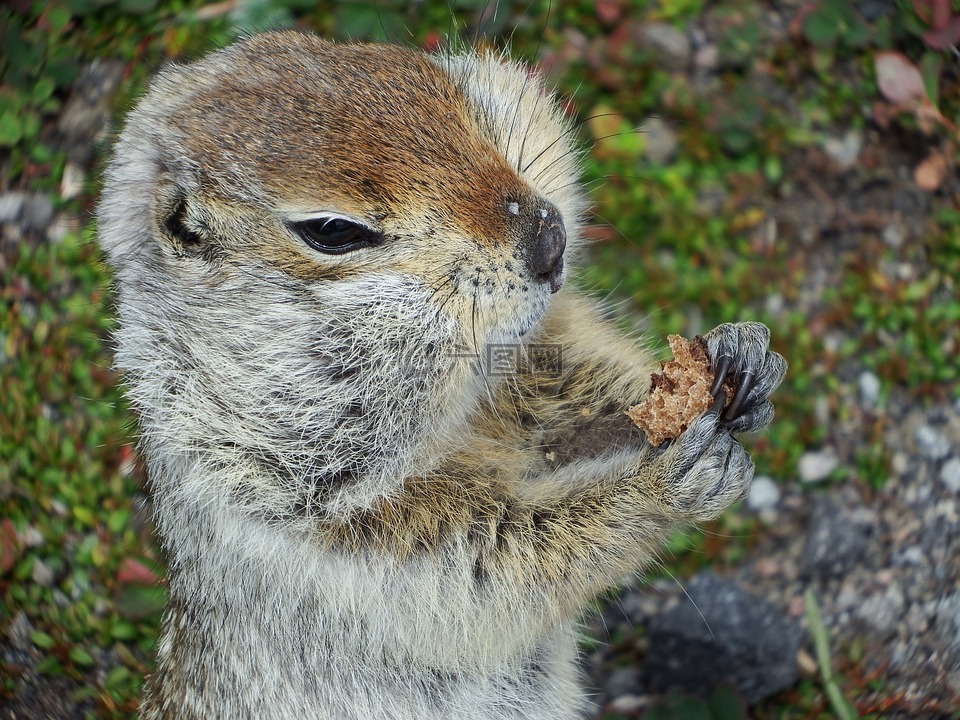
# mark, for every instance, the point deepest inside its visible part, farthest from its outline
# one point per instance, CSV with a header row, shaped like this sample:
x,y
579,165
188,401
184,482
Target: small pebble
x,y
764,494
931,443
71,186
627,704
869,386
31,537
670,46
950,474
660,141
817,466
707,58
845,151
11,205
42,574
895,234
884,611
37,212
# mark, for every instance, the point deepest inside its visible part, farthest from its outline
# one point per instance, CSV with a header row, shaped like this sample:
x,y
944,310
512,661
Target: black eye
x,y
335,236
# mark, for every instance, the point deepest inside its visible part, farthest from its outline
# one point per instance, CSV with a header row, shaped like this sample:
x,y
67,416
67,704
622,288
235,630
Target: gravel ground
x,y
883,566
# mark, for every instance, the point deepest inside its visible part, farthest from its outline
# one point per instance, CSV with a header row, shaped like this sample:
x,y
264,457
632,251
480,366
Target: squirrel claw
x,y
744,387
723,368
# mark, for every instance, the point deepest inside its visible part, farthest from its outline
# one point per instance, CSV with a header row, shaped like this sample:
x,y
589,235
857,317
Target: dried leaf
x,y
898,79
930,174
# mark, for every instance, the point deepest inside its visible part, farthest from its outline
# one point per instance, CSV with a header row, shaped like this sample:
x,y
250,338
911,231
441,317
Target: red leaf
x,y
134,572
941,13
898,79
945,36
609,11
10,546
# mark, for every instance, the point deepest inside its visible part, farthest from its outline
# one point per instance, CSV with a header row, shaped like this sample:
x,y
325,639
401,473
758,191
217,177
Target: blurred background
x,y
792,162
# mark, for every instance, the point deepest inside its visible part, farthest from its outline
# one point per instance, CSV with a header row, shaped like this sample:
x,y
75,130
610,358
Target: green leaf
x,y
117,677
820,29
50,665
368,22
136,601
856,34
123,630
10,130
118,520
58,16
41,640
80,656
137,7
930,66
726,704
84,515
82,7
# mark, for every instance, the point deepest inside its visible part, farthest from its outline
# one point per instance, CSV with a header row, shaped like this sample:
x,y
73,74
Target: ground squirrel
x,y
389,455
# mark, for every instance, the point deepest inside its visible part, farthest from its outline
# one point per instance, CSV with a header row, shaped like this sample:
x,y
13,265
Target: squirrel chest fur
x,y
387,448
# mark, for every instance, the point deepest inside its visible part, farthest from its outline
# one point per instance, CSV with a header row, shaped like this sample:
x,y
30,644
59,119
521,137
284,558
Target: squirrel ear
x,y
178,222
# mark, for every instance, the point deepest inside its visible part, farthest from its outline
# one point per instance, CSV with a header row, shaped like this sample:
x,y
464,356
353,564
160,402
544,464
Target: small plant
x,y
723,704
835,23
936,21
821,643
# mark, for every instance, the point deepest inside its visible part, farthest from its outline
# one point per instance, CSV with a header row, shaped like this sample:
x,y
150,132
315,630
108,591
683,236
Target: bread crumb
x,y
679,393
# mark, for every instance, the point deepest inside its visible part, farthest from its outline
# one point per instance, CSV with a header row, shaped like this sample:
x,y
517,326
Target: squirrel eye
x,y
335,236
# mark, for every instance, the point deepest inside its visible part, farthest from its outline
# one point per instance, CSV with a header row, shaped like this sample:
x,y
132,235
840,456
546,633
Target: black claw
x,y
745,386
723,367
719,402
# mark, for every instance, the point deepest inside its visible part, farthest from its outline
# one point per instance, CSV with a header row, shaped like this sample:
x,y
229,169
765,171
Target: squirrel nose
x,y
547,241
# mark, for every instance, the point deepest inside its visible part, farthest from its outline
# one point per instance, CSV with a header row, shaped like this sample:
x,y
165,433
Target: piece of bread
x,y
679,393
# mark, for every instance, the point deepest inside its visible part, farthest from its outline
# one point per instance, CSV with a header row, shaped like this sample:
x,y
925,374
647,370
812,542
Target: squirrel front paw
x,y
705,469
742,350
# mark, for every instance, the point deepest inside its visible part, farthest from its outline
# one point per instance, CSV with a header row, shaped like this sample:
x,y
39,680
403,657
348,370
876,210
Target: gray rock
x,y
833,544
946,622
623,681
895,234
869,386
844,151
42,574
85,117
764,494
931,443
660,141
950,474
628,704
884,611
30,536
671,46
722,634
707,58
816,466
11,205
37,212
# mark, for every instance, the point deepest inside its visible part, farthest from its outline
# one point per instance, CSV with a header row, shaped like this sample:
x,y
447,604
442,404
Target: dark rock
x,y
722,634
834,544
85,118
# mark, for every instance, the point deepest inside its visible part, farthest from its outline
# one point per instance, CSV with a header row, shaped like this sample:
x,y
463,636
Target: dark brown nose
x,y
545,246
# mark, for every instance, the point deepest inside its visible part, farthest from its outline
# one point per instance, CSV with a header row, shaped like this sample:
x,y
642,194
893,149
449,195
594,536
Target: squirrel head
x,y
293,222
